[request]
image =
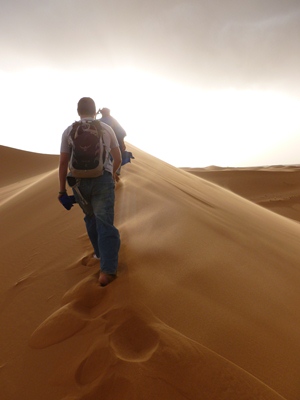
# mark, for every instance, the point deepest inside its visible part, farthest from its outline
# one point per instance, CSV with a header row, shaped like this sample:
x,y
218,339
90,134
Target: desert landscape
x,y
206,303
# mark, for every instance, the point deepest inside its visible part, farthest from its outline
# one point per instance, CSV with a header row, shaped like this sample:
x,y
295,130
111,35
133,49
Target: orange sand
x,y
206,304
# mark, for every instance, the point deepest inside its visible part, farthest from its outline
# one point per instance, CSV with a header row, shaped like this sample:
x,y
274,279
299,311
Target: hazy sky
x,y
195,82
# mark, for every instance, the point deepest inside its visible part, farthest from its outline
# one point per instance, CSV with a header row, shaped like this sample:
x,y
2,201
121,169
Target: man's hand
x,y
116,177
116,155
66,201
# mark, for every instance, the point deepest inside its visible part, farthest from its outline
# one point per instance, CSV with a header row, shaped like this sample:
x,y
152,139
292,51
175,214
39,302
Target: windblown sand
x,y
206,305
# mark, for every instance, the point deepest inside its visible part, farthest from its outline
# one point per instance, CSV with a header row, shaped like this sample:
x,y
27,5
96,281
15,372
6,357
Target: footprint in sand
x,y
86,292
90,261
94,366
72,317
61,325
134,340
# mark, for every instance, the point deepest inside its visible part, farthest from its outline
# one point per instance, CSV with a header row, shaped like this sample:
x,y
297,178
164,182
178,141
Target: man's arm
x,y
120,133
116,155
63,171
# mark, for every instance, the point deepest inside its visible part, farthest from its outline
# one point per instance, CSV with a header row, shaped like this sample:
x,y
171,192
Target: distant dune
x,y
276,188
206,303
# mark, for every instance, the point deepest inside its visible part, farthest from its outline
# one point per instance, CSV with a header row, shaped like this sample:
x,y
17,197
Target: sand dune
x,y
276,188
206,301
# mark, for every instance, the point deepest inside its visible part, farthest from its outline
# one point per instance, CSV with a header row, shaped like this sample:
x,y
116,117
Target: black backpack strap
x,y
75,125
100,130
98,126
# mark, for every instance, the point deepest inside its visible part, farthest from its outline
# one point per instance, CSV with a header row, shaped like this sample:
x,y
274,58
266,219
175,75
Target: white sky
x,y
195,83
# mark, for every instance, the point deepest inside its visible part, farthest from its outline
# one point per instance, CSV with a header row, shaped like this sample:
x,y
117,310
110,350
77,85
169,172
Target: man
x,y
120,134
114,124
97,193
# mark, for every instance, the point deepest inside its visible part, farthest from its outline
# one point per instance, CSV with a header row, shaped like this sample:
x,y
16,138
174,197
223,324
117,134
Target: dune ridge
x,y
205,305
276,188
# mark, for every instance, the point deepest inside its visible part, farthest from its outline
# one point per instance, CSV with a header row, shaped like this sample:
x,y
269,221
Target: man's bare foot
x,y
105,279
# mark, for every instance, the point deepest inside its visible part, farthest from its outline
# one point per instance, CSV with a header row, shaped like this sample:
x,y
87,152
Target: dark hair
x,y
86,106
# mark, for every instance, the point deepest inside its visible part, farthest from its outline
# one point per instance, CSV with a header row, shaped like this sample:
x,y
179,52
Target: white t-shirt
x,y
109,139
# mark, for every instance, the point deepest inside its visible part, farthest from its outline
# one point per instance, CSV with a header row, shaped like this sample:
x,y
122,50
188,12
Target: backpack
x,y
87,149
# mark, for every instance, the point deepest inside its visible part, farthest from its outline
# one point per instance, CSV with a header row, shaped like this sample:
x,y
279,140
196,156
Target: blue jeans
x,y
99,219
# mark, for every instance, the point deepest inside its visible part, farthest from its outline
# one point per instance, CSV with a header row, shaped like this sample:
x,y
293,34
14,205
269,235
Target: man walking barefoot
x,y
96,195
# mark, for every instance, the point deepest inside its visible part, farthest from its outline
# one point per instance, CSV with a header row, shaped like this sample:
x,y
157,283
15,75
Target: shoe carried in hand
x,y
67,201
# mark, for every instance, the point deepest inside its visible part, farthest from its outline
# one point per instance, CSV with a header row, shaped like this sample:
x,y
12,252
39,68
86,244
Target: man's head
x,y
105,111
86,107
